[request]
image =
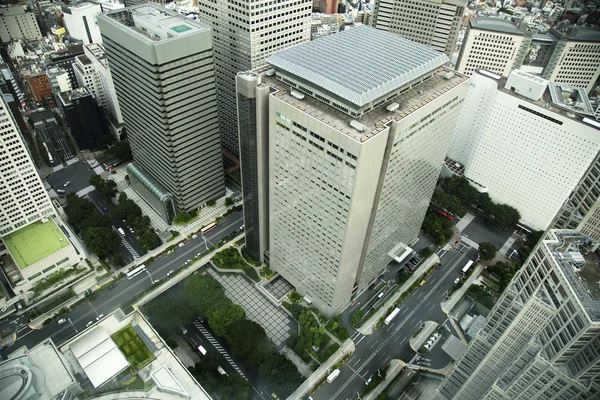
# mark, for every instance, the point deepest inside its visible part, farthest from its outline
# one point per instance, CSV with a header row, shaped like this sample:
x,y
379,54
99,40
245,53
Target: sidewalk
x,y
417,341
395,369
369,326
449,304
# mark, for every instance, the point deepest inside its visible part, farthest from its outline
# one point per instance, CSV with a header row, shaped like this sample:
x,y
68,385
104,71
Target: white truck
x,y
121,232
202,350
333,375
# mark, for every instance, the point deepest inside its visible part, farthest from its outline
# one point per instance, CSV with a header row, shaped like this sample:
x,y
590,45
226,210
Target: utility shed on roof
x,y
99,356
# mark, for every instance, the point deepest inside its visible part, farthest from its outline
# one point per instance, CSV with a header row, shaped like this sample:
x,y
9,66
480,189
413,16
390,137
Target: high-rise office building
x,y
163,71
23,198
80,21
245,33
531,142
575,57
492,44
351,165
432,23
15,24
541,340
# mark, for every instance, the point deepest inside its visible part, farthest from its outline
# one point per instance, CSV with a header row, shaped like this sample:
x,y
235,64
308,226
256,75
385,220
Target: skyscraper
x,y
346,169
245,34
493,44
530,144
541,340
23,198
163,71
432,23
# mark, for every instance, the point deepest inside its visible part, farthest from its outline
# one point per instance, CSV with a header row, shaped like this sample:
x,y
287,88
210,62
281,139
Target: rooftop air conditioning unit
x,y
449,75
357,125
270,72
392,107
297,94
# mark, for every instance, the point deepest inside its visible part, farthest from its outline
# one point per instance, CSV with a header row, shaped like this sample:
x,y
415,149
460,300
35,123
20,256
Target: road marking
x,y
360,340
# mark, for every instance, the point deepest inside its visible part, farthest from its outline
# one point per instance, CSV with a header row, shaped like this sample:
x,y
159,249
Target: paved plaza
x,y
279,287
276,323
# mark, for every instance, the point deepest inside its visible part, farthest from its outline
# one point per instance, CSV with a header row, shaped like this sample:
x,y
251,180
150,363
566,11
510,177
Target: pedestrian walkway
x,y
464,221
468,241
130,248
83,192
507,245
217,346
448,305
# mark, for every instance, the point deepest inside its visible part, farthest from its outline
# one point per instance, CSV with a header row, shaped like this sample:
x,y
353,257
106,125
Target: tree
x,y
506,216
243,337
487,250
228,201
262,351
530,242
170,313
201,293
223,314
149,240
121,150
235,388
109,189
100,240
356,317
118,260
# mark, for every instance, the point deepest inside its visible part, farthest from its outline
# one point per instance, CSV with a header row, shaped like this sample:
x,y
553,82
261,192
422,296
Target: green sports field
x,y
35,242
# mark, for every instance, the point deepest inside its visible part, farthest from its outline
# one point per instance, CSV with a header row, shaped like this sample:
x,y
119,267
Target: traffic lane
x,y
486,233
78,174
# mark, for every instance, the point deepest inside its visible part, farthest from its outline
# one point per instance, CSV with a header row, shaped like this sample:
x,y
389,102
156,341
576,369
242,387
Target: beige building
x,y
492,44
15,23
434,23
344,170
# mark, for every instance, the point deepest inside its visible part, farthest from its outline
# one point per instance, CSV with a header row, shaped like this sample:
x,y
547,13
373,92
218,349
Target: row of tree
x,y
95,228
458,187
128,211
107,189
437,228
226,387
204,297
312,338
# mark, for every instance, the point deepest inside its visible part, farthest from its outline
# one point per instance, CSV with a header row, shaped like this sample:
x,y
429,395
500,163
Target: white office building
x,y
432,23
529,144
80,21
351,165
492,44
163,70
245,33
541,340
16,24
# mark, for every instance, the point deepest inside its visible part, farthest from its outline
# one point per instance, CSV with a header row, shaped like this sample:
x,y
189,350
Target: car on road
x,y
273,395
438,266
368,380
456,280
181,244
61,321
372,286
187,262
105,209
422,282
194,236
89,323
67,183
99,317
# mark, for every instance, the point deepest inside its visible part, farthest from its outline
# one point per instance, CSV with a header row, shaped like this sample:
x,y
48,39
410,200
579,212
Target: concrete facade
x,y
80,21
540,341
433,23
526,153
344,188
245,33
163,71
492,44
16,24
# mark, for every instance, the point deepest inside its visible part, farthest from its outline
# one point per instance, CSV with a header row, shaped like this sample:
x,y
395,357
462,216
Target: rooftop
x,y
155,22
85,60
35,242
578,33
495,25
571,251
379,62
376,120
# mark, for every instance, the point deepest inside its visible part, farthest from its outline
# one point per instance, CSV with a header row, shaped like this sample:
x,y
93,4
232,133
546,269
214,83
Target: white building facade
x,y
494,45
351,168
16,24
433,23
245,34
80,21
524,152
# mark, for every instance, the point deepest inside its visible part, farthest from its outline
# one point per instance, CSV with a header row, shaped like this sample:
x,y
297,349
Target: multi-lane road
x,y
391,341
111,299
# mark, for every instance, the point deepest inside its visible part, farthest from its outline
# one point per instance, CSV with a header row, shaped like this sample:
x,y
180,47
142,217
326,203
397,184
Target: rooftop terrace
x,y
376,120
35,242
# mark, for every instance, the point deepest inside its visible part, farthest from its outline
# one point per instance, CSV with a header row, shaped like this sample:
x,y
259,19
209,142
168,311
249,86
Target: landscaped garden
x,y
133,347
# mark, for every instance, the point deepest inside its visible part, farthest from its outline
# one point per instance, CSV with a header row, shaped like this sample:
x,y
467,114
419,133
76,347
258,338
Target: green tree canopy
x,y
170,313
243,337
202,293
100,240
487,251
224,314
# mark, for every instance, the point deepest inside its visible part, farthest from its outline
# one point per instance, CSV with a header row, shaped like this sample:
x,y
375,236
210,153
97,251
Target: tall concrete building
x,y
16,24
532,142
575,57
245,33
541,340
433,23
163,71
80,21
492,44
345,169
23,198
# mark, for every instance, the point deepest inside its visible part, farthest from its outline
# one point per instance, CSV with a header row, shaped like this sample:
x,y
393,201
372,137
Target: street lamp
x,y
73,326
148,272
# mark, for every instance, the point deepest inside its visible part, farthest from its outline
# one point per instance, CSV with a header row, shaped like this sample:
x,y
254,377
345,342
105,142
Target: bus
x,y
466,267
136,271
446,215
391,316
48,151
208,228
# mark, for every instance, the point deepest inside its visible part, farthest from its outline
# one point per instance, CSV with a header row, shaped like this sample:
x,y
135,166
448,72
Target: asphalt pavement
x,y
54,138
391,341
111,299
77,174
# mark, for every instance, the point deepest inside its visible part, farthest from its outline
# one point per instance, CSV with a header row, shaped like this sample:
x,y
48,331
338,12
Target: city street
x,y
391,342
52,135
111,299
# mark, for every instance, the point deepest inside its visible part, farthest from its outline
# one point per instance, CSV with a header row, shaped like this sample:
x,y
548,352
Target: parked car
x,y
89,323
456,280
181,244
67,183
194,236
61,321
99,317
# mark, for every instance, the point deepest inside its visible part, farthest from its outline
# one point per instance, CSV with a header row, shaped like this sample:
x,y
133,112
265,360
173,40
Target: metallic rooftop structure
x,y
379,62
495,25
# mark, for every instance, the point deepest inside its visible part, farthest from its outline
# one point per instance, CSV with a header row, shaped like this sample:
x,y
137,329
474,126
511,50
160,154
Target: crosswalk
x,y
217,346
130,248
468,241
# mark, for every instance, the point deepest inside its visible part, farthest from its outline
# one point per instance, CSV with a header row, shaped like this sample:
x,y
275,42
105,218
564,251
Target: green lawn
x,y
35,242
133,347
